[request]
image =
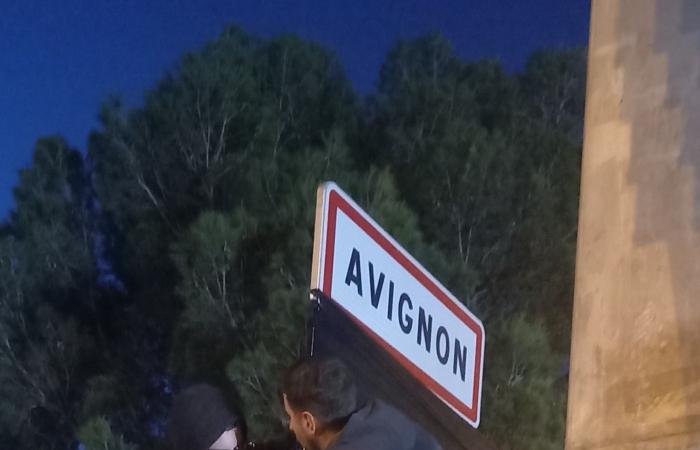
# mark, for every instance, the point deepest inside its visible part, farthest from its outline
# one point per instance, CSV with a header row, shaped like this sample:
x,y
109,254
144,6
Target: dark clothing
x,y
198,417
378,426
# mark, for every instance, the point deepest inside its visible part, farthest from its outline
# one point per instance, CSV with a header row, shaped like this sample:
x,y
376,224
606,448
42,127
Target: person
x,y
321,399
200,419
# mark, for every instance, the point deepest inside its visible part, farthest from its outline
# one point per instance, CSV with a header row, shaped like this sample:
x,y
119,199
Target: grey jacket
x,y
378,426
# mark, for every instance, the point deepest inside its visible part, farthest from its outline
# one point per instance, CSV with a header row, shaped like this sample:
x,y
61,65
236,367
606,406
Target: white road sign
x,y
397,302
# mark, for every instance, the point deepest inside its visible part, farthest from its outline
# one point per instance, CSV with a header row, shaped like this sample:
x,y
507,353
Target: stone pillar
x,y
635,360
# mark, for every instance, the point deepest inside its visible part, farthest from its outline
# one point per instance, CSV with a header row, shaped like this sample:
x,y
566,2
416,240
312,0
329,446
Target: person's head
x,y
319,397
200,419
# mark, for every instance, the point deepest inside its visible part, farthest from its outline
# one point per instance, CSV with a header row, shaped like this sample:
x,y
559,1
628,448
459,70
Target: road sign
x,y
397,302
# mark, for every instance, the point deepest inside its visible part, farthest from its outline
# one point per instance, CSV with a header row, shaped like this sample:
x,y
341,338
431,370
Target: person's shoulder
x,y
403,427
376,425
367,428
389,413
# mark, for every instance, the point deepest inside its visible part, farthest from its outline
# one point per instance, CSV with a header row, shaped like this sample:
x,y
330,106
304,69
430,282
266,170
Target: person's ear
x,y
309,422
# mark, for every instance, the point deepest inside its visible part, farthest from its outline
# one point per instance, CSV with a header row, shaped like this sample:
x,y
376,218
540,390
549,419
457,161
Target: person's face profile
x,y
302,425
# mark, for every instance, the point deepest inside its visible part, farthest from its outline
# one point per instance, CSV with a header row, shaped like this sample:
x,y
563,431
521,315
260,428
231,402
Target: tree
x,y
554,84
449,135
212,172
490,163
212,270
48,299
522,381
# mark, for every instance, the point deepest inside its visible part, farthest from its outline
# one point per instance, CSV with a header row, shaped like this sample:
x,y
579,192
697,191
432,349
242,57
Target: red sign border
x,y
336,202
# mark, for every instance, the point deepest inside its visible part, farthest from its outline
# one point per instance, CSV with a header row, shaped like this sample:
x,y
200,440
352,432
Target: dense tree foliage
x,y
178,249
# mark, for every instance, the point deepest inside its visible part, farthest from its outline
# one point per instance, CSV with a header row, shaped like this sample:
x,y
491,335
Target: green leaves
x,y
522,380
47,289
209,263
554,83
490,164
97,434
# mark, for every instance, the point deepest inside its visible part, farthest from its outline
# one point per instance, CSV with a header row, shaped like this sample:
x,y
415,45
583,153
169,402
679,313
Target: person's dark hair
x,y
198,416
323,387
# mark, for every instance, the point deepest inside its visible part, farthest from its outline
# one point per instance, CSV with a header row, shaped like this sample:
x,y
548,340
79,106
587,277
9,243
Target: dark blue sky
x,y
60,59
